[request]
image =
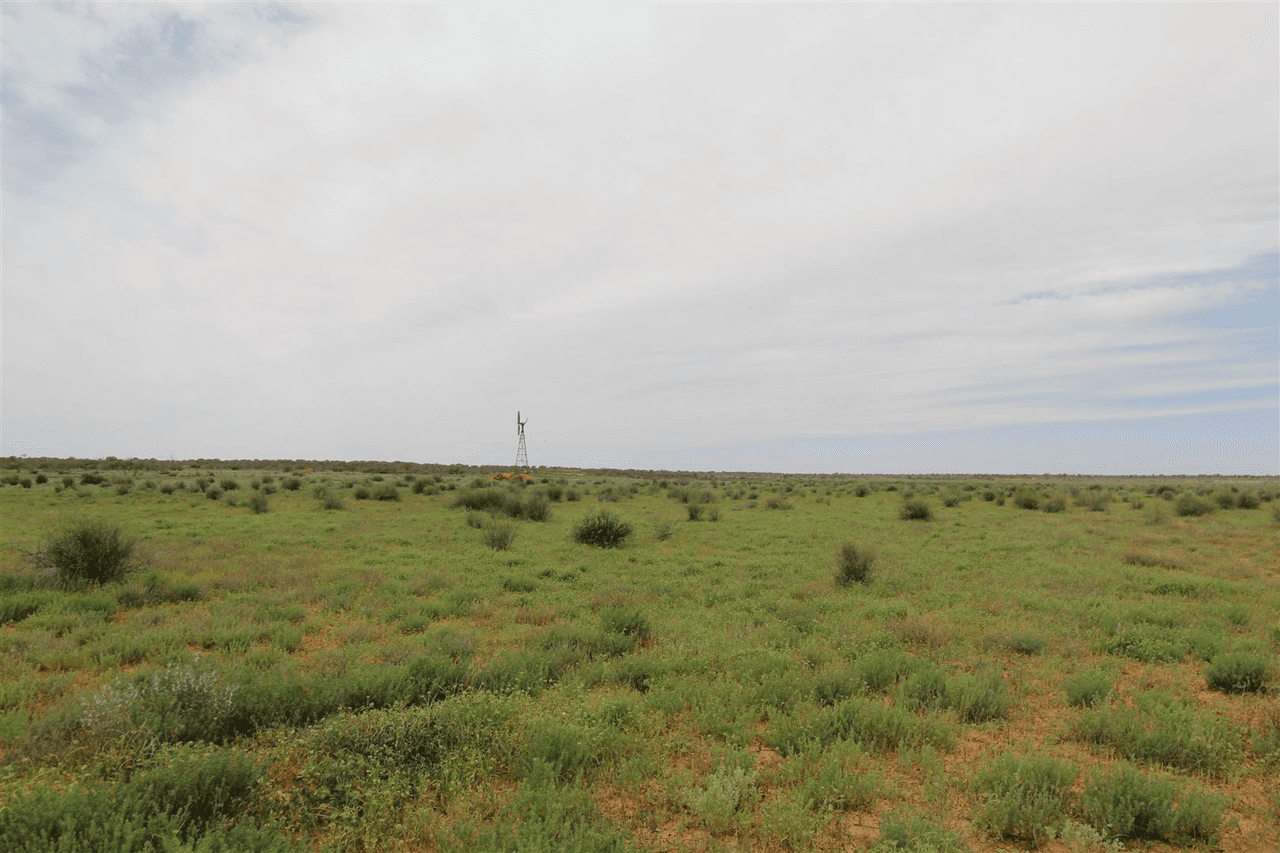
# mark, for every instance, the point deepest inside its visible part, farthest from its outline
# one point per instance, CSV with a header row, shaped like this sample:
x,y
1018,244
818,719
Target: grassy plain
x,y
400,672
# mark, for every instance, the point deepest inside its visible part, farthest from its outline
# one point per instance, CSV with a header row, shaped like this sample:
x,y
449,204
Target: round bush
x,y
1238,672
914,509
602,529
87,552
853,565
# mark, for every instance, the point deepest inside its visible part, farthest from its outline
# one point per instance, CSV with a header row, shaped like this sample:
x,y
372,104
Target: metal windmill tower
x,y
522,454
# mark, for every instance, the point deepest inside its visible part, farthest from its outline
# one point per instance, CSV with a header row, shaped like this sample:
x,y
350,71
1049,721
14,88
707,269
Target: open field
x,y
402,657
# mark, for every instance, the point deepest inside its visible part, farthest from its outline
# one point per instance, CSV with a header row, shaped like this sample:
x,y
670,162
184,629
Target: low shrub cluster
x,y
1025,797
190,798
1126,803
1166,731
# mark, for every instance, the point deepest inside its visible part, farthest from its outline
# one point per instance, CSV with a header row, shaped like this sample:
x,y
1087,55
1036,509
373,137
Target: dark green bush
x,y
1239,672
914,509
602,529
19,607
1055,504
1190,505
91,480
482,500
291,484
258,503
386,492
1026,499
628,621
92,552
228,484
361,493
1246,500
853,564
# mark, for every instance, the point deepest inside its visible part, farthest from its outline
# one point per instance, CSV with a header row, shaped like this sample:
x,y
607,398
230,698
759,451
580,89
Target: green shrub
x,y
926,687
19,607
1025,797
228,484
726,792
881,669
602,529
906,832
1089,689
664,530
291,484
386,492
1246,500
42,478
1126,803
328,498
1026,499
914,509
87,552
1027,643
499,535
1239,672
1055,504
1167,731
1190,505
213,493
89,480
628,621
361,493
979,697
258,503
480,500
853,564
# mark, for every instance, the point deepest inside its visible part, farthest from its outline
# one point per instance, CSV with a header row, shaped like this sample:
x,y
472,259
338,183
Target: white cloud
x,y
386,226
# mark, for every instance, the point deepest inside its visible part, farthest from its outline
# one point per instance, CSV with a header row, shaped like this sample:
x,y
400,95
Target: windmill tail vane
x,y
522,453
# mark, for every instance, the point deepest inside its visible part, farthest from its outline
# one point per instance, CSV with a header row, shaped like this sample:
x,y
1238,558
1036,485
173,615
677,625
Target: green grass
x,y
380,677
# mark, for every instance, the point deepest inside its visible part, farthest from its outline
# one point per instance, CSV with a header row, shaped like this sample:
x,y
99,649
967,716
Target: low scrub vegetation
x,y
468,668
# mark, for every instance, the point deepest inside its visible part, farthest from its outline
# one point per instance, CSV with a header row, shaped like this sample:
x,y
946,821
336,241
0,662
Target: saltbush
x,y
602,529
258,503
87,552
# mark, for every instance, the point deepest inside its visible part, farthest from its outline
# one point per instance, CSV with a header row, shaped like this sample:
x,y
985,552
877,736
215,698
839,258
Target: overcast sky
x,y
952,238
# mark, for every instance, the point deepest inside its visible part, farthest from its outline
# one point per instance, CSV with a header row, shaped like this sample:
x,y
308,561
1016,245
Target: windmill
x,y
522,454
